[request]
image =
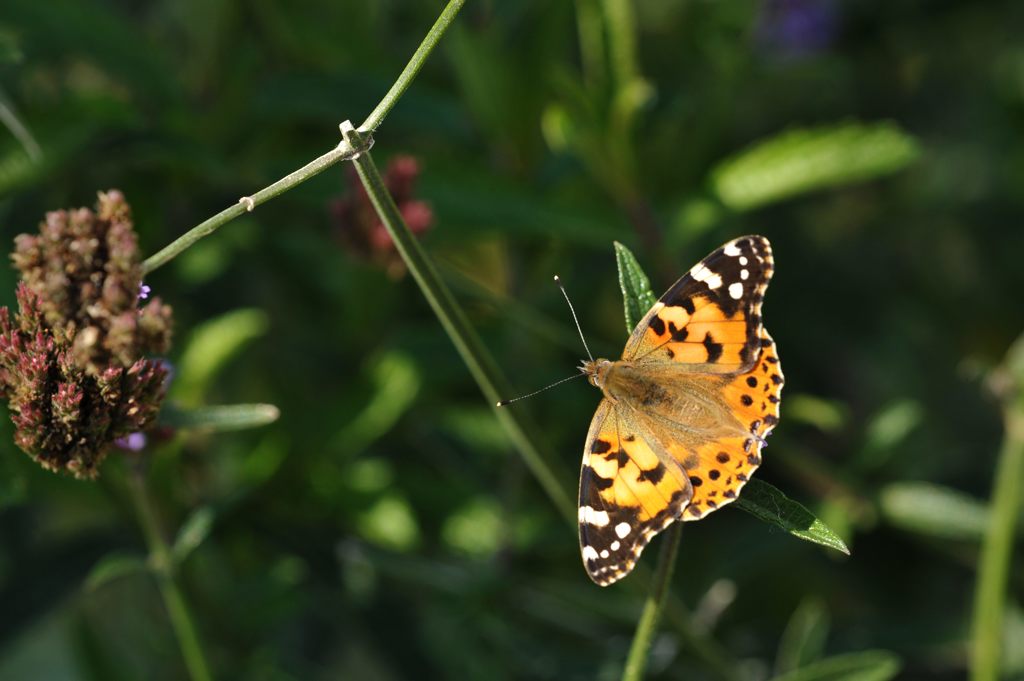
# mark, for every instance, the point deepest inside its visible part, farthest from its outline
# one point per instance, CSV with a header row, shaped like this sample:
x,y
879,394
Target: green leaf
x,y
800,161
826,415
211,346
637,296
114,566
219,418
934,511
192,533
396,383
390,523
887,430
804,637
869,665
772,506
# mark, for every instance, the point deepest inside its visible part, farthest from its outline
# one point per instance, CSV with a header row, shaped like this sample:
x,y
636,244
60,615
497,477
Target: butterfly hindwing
x,y
627,494
722,466
712,316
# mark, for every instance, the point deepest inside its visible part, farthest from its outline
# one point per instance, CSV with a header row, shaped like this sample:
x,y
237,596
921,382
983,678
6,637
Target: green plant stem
x,y
419,57
459,330
997,548
163,570
621,40
646,627
340,153
590,28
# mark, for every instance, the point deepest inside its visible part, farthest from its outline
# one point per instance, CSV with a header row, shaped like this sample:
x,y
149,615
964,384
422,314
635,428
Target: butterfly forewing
x,y
712,315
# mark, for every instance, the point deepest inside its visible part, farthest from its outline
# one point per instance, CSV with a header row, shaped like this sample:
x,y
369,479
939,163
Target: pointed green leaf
x,y
769,504
219,418
637,296
869,665
800,161
192,533
114,566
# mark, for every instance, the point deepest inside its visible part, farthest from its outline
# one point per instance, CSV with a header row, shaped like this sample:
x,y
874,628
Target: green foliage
x,y
804,638
800,161
114,566
637,296
933,511
767,503
219,418
870,665
210,347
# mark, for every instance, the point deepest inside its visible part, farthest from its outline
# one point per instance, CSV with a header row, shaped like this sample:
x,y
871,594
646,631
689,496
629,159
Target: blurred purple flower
x,y
133,442
794,28
144,291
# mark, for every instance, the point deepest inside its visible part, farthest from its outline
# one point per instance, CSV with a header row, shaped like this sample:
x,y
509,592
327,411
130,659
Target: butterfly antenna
x,y
503,403
574,318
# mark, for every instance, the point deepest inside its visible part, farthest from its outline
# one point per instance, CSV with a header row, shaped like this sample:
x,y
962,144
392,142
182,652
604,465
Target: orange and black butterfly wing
x,y
627,494
711,317
710,320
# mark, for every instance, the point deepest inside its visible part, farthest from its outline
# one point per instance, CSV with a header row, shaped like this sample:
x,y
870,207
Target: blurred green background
x,y
384,527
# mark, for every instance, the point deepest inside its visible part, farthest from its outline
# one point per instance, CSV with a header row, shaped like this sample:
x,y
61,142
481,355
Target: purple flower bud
x,y
144,291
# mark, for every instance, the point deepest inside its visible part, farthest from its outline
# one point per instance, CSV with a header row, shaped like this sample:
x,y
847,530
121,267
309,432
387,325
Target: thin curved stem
x,y
340,153
419,57
636,661
163,569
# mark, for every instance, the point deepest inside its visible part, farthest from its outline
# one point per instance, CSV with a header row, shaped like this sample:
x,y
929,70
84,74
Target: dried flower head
x,y
84,266
362,232
71,358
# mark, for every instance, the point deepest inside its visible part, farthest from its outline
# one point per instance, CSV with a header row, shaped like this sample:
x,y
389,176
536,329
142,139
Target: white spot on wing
x,y
604,553
615,545
731,249
593,517
744,274
736,290
590,553
714,281
623,530
700,272
743,260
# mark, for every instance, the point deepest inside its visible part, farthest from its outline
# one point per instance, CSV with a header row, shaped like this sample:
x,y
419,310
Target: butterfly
x,y
685,412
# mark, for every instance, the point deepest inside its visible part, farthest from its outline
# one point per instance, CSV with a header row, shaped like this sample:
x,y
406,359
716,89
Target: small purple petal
x,y
134,442
144,291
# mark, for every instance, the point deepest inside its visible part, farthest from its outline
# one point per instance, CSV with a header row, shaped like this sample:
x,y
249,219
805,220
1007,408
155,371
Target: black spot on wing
x,y
653,475
714,349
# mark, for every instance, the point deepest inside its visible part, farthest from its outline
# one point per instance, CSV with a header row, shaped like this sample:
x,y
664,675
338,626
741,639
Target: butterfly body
x,y
685,411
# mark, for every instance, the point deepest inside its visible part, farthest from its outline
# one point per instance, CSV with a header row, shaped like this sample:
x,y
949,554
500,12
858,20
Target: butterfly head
x,y
596,371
